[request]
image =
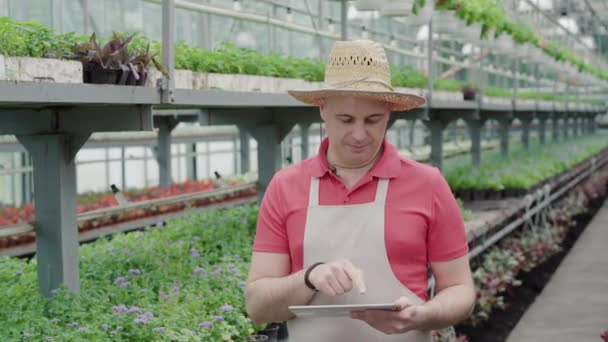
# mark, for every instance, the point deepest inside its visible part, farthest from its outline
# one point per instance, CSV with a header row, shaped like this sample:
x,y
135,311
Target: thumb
x,y
403,302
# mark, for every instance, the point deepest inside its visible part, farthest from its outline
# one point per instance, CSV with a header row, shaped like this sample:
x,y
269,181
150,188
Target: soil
x,y
501,322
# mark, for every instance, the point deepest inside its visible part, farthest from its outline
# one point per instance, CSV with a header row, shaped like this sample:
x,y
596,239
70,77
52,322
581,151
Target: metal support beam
x,y
56,227
163,150
304,134
269,154
475,133
191,171
245,150
504,125
168,25
542,130
566,126
555,126
525,132
436,128
593,124
344,19
26,180
123,168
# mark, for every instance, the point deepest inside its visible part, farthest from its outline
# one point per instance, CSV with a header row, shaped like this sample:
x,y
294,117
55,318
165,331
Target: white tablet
x,y
337,310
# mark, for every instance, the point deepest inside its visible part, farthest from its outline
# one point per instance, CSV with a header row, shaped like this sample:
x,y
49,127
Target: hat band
x,y
370,79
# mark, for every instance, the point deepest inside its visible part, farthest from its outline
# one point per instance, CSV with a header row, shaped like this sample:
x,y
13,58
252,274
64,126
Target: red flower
x,y
457,5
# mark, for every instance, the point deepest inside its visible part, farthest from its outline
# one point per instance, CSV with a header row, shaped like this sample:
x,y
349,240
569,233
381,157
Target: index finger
x,y
356,275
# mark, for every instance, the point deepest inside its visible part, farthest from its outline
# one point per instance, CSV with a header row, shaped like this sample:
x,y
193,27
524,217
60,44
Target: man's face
x,y
355,127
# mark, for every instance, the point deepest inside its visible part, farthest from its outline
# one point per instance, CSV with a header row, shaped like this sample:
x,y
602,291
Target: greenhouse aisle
x,y
574,304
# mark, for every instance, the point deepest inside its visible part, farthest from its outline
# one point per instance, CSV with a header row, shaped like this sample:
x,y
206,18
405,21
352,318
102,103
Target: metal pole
x,y
245,150
168,83
304,130
504,136
344,19
269,155
56,225
542,125
123,171
475,131
163,153
436,127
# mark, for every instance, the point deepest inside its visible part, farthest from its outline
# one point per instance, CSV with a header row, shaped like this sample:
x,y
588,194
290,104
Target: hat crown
x,y
357,60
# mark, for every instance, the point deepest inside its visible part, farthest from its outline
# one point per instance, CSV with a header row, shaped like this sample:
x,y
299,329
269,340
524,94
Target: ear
x,y
322,110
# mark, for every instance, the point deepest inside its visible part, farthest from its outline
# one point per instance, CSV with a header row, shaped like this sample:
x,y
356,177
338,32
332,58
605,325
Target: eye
x,y
374,120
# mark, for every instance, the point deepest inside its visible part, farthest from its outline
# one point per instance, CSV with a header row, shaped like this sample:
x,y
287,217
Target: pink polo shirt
x,y
422,220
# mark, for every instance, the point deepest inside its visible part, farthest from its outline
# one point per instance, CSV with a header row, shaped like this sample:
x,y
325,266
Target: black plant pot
x,y
96,74
494,194
464,194
479,195
469,94
132,81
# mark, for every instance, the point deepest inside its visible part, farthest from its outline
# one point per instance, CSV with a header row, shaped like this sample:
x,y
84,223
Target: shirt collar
x,y
389,165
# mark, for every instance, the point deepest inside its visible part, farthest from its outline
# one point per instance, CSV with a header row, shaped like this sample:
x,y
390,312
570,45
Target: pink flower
x,y
457,5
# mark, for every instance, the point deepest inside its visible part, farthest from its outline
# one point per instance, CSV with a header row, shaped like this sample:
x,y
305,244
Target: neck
x,y
350,172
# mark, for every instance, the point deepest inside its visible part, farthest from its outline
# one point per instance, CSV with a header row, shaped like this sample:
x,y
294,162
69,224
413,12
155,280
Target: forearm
x,y
450,306
268,298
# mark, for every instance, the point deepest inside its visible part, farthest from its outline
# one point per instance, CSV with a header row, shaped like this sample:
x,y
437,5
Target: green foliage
x,y
521,169
229,59
29,38
183,275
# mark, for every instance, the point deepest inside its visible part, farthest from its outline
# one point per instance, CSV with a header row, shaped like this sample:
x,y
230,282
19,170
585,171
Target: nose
x,y
359,132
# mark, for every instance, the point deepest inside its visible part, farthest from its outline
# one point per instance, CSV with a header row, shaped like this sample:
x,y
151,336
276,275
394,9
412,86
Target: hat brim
x,y
399,101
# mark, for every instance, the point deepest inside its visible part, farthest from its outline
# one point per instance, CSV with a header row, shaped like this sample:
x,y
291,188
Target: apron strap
x,y
382,190
313,200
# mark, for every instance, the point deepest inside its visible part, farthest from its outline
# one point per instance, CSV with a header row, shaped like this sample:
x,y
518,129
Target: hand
x,y
410,316
337,278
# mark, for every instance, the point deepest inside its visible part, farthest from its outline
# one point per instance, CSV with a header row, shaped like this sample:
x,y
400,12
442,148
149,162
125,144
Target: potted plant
x,y
469,92
113,63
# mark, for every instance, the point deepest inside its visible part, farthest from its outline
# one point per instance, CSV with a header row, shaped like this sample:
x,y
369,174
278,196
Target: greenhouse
x,y
317,170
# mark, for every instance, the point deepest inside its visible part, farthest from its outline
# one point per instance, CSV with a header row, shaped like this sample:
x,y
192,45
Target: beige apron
x,y
353,232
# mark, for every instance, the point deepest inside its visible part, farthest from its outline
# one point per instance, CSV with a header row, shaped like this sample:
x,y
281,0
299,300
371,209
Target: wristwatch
x,y
307,274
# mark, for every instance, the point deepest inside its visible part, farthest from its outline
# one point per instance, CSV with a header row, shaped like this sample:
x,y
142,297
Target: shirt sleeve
x,y
447,238
271,233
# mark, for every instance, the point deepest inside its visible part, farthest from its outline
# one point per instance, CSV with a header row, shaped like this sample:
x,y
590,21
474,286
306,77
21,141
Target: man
x,y
357,224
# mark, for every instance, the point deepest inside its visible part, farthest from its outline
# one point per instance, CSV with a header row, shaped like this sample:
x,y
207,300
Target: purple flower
x,y
104,327
205,324
120,309
113,332
120,280
194,253
164,295
218,318
82,329
73,324
199,270
140,320
134,271
159,330
134,309
227,308
216,272
242,283
176,287
124,285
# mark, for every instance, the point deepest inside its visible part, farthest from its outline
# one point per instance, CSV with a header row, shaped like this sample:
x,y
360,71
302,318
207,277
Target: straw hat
x,y
359,68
